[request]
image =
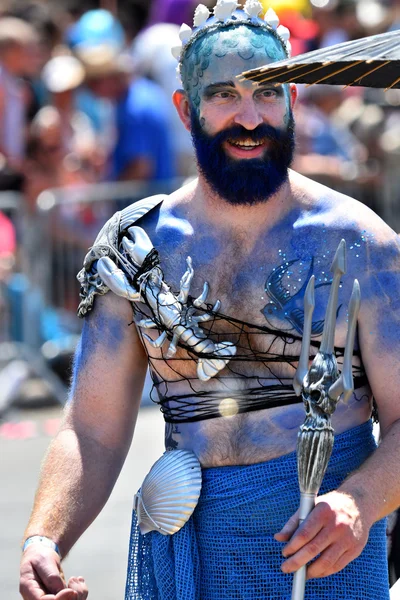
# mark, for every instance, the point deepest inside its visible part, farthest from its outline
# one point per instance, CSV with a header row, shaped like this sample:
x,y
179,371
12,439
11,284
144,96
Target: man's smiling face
x,y
242,133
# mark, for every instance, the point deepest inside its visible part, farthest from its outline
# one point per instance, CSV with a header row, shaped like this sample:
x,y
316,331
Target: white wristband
x,y
41,539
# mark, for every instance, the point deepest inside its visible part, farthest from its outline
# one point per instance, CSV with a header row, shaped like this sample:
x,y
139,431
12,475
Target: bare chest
x,y
240,315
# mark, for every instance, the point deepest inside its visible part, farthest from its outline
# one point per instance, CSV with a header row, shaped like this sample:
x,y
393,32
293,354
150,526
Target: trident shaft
x,y
321,386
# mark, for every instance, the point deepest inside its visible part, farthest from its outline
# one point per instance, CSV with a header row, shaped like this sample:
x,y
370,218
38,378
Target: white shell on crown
x,y
289,48
169,493
201,15
253,8
225,9
185,33
283,33
176,51
271,18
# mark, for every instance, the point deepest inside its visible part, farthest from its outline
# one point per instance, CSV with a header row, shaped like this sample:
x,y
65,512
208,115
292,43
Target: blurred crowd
x,y
85,98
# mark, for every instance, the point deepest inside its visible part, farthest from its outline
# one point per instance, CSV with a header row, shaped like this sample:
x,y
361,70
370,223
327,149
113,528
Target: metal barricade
x,y
67,222
11,207
19,360
65,225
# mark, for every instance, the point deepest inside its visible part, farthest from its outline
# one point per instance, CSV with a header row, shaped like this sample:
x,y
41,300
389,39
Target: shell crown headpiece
x,y
226,14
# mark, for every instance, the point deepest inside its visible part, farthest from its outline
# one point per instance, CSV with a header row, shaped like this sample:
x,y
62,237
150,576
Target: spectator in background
x,y
63,76
152,57
337,22
395,16
18,57
95,28
61,143
8,247
326,148
143,148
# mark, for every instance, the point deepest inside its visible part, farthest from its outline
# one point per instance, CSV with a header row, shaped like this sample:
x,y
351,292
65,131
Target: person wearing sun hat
x,y
143,146
209,287
62,76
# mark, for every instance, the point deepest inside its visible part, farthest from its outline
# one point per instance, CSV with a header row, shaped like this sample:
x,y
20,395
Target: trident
x,y
321,387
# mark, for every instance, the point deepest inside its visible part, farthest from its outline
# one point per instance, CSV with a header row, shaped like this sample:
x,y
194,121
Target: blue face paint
x,y
210,65
225,53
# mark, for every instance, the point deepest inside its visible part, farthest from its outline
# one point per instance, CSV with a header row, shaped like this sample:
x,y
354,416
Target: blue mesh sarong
x,y
226,551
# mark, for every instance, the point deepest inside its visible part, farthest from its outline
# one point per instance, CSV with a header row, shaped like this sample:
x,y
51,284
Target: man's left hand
x,y
335,530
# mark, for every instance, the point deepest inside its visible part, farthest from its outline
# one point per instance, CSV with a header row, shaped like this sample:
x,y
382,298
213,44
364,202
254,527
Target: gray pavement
x,y
100,555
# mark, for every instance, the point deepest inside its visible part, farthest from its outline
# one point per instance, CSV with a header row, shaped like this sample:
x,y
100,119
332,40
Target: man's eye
x,y
223,95
268,93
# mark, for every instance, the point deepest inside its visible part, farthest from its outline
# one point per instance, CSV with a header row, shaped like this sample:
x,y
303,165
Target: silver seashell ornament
x,y
185,33
176,51
271,18
225,9
283,33
253,8
169,493
201,15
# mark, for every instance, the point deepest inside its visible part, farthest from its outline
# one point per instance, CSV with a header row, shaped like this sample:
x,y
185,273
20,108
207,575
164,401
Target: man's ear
x,y
182,105
293,91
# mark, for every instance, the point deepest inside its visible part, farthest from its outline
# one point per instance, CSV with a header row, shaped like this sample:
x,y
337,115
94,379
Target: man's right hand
x,y
42,578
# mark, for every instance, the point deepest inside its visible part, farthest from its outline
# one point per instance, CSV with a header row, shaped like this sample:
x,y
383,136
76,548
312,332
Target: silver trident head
x,y
344,384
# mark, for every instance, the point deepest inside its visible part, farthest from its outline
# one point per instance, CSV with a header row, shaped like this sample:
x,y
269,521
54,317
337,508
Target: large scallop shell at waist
x,y
169,493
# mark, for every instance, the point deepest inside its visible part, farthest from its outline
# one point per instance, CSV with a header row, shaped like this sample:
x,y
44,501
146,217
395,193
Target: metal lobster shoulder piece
x,y
142,280
321,386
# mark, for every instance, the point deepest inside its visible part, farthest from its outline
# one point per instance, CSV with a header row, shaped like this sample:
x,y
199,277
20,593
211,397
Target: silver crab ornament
x,y
171,313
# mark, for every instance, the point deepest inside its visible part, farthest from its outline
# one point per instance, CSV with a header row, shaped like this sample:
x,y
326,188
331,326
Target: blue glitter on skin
x,y
83,351
111,330
173,231
287,307
305,246
210,248
105,329
387,284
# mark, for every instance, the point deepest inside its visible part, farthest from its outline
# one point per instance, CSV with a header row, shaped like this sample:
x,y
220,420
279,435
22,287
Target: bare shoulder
x,y
339,211
183,195
373,257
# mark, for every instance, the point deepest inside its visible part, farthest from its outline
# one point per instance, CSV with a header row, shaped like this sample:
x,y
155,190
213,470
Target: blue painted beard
x,y
248,181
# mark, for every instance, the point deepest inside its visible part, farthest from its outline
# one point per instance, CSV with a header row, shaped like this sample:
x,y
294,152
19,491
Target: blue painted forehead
x,y
238,38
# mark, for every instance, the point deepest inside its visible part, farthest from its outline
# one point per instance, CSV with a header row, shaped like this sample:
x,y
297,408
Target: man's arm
x,y
84,460
338,527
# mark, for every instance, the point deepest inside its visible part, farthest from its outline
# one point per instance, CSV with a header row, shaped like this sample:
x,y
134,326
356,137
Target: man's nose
x,y
248,115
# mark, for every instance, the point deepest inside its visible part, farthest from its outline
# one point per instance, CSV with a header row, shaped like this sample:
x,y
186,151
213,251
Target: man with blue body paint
x,y
256,232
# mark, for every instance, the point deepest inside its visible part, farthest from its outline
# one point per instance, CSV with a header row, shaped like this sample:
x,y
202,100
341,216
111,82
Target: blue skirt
x,y
227,551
